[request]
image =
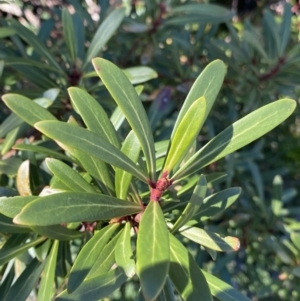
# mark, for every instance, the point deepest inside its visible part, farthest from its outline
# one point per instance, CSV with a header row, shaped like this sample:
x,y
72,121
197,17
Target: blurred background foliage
x,y
47,46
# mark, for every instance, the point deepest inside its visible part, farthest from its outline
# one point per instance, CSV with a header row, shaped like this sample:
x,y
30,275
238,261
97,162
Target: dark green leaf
x,y
69,176
7,226
88,256
186,275
96,288
239,134
10,166
104,33
127,99
93,115
152,251
69,34
89,143
74,207
57,232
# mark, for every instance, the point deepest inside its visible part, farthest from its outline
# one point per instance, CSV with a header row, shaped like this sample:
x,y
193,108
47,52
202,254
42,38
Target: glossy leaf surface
x,y
152,251
89,143
74,207
127,99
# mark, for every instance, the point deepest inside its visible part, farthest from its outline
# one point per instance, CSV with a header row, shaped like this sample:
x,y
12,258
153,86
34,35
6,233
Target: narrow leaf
x,y
23,179
131,148
69,34
89,143
124,254
48,276
9,253
239,134
26,282
193,205
210,240
186,275
93,115
185,133
69,176
88,256
104,33
127,99
222,290
74,207
27,109
56,232
152,251
208,85
94,289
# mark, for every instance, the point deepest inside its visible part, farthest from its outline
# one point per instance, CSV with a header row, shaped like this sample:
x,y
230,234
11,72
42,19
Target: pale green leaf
x,y
127,99
186,275
152,251
88,256
222,290
140,74
123,252
74,207
48,276
239,134
91,144
185,134
210,240
131,148
193,205
207,85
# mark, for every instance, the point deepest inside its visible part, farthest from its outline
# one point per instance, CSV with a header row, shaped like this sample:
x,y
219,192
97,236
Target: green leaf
x,y
42,150
106,258
88,256
9,253
140,74
21,289
13,206
131,148
27,109
32,40
10,139
222,290
56,232
185,134
127,99
10,123
210,240
124,254
295,238
74,207
93,115
46,285
186,275
285,28
117,118
89,143
10,166
104,33
193,205
68,176
69,34
152,251
207,85
96,288
252,40
218,202
6,32
239,134
7,226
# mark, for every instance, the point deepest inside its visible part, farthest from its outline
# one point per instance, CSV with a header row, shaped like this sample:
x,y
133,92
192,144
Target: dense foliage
x,y
149,168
